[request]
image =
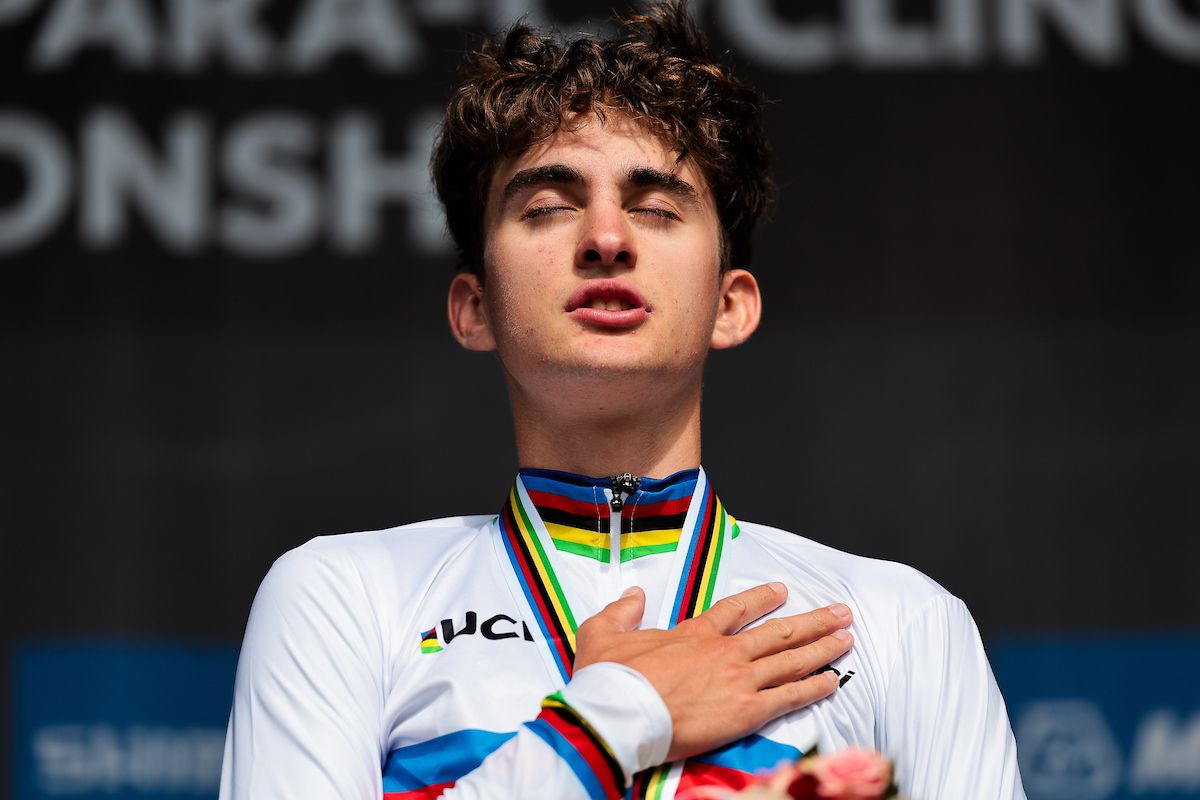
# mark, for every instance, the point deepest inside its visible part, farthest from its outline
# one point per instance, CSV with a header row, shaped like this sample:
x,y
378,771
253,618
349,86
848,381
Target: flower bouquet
x,y
850,774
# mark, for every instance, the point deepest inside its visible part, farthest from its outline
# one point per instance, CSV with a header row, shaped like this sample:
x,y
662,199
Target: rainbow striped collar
x,y
525,542
578,517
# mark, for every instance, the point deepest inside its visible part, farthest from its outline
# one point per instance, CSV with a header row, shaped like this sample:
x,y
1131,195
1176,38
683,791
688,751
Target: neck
x,y
653,438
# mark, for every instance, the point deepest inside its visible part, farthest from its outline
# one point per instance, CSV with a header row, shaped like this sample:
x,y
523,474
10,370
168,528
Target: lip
x,y
608,289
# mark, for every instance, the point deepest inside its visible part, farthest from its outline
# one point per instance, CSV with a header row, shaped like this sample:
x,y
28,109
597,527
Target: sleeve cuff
x,y
621,706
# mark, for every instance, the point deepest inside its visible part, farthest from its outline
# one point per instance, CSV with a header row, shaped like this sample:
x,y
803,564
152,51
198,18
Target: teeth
x,y
609,304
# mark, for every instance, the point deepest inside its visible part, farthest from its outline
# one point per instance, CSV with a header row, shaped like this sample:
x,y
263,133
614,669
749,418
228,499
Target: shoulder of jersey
x,y
800,554
415,546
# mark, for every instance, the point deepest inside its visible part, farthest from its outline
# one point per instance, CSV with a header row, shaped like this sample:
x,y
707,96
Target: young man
x,y
601,194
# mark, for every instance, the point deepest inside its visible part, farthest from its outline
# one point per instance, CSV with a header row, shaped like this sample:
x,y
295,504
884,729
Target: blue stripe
x,y
751,754
546,481
569,754
690,555
533,606
650,491
446,758
582,487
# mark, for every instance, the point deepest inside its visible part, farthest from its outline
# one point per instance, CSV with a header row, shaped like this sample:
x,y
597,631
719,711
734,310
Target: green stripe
x,y
719,544
562,600
586,550
660,780
737,531
630,553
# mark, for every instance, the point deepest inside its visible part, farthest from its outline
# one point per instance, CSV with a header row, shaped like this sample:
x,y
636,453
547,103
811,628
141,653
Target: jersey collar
x,y
578,513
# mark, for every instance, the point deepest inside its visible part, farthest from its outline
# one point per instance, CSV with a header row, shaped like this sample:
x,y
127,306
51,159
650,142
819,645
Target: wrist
x,y
625,711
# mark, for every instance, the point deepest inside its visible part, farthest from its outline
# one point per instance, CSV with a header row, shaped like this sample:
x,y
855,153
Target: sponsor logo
x,y
1083,733
842,679
122,720
494,628
1068,751
429,642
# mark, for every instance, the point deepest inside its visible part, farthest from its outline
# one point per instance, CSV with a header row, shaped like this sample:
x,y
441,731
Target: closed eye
x,y
661,213
544,211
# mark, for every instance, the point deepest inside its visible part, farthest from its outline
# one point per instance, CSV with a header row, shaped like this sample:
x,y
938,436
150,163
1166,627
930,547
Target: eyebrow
x,y
650,178
559,174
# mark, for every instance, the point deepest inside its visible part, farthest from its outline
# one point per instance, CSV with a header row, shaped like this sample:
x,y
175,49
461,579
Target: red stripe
x,y
568,504
697,557
419,794
536,586
659,509
587,747
696,774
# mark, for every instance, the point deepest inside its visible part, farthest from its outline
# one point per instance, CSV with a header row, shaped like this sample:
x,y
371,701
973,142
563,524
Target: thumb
x,y
625,613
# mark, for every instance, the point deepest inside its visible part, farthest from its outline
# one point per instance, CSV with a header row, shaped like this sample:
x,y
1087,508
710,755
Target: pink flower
x,y
850,775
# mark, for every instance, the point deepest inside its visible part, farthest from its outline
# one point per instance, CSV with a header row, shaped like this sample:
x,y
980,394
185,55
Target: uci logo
x,y
1067,751
500,626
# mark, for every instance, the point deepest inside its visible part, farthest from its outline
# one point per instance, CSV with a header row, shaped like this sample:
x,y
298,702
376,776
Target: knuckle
x,y
726,648
778,628
745,706
735,603
799,663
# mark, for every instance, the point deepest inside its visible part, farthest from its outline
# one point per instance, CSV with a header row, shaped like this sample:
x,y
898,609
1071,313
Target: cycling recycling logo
x,y
1067,751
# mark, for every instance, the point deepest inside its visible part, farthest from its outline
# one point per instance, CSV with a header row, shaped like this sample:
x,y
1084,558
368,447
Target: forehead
x,y
601,148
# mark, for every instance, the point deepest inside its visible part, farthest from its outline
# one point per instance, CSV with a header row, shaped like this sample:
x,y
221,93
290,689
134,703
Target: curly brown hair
x,y
659,70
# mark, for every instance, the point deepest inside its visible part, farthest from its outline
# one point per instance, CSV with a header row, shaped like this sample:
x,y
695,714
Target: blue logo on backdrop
x,y
1112,719
121,721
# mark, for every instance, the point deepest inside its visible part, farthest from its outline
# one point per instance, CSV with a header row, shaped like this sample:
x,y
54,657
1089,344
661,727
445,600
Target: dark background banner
x,y
223,277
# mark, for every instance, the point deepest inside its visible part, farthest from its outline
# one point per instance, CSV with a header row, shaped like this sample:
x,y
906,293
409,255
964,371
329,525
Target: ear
x,y
468,317
739,309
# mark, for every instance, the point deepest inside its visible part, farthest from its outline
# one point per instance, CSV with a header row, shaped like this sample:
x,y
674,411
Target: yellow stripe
x,y
551,702
541,568
707,575
566,533
649,538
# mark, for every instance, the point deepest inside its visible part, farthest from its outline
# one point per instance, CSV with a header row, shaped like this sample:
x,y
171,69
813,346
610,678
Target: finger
x,y
735,612
801,662
781,633
795,695
622,614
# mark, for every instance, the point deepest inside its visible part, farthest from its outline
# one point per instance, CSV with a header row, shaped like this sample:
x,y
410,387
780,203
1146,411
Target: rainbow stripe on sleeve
x,y
578,744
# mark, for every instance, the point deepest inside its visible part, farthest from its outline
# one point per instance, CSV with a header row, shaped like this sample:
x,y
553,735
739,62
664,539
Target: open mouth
x,y
608,303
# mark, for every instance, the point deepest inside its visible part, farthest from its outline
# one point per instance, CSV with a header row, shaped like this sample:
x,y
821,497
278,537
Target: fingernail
x,y
840,610
630,591
841,635
778,587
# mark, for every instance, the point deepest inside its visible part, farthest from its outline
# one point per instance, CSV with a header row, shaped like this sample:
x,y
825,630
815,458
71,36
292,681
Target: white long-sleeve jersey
x,y
434,659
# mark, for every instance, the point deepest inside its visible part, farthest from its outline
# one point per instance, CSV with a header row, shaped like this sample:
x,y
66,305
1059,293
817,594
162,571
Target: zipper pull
x,y
622,484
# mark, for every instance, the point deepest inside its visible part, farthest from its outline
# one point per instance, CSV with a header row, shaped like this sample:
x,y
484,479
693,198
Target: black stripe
x,y
560,517
572,718
662,522
702,553
542,590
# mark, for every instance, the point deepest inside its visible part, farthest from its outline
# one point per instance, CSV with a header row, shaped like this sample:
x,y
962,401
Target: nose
x,y
607,240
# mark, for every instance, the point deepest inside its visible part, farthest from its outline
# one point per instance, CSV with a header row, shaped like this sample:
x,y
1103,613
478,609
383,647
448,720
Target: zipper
x,y
622,484
621,488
